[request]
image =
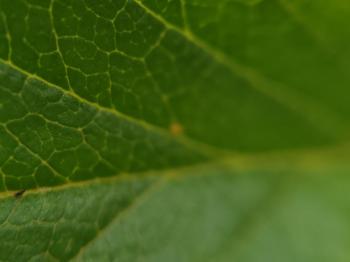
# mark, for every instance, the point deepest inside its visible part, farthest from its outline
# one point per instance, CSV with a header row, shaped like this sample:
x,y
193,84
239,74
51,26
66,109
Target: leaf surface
x,y
178,130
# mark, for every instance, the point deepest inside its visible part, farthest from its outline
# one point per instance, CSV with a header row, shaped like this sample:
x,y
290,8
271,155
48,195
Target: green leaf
x,y
179,130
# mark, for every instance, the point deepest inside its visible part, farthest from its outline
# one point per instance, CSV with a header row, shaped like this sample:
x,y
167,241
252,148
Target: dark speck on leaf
x,y
19,193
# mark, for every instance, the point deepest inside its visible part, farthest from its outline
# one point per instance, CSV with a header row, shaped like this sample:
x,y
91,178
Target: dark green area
x,y
48,137
168,62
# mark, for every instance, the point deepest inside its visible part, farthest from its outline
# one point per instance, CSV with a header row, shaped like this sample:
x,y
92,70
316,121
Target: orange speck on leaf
x,y
176,129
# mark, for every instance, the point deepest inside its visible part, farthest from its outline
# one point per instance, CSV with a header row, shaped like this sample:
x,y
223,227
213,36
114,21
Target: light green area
x,y
212,213
174,130
223,215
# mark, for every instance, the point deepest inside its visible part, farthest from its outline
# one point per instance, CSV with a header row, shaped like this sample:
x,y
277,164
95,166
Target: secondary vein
x,y
192,144
315,113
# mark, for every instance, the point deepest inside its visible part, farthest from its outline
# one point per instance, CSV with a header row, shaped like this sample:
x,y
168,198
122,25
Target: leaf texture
x,y
178,130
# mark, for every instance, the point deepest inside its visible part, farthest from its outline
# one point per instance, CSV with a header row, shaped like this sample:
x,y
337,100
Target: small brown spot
x,y
176,129
19,193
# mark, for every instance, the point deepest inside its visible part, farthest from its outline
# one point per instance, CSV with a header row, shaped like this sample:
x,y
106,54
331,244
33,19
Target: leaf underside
x,y
180,130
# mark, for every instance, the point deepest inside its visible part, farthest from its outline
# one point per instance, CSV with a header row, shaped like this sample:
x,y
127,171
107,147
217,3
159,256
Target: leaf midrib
x,y
301,160
215,155
162,178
